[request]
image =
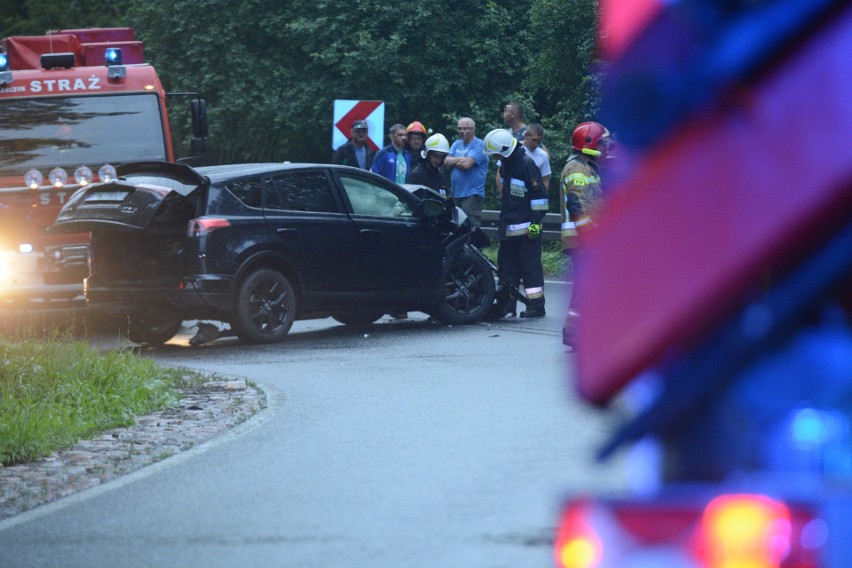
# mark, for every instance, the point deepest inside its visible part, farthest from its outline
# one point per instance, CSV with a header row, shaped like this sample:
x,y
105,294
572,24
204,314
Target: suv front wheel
x,y
469,289
265,307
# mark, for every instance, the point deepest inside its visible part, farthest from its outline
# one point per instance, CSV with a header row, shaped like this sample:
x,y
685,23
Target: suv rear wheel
x,y
265,307
152,329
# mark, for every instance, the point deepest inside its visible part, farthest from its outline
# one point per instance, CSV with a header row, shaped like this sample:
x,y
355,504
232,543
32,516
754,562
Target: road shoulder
x,y
202,413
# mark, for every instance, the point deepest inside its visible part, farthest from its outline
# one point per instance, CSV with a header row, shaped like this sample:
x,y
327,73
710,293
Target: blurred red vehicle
x,y
716,288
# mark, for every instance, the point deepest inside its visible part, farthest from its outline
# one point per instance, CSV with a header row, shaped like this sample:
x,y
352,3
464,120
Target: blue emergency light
x,y
112,55
5,73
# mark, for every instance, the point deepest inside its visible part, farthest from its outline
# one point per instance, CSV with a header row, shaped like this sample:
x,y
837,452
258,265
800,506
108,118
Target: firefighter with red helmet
x,y
581,193
523,205
580,183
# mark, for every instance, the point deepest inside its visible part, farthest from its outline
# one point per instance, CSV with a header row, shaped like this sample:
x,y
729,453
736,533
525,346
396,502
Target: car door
x,y
397,253
309,224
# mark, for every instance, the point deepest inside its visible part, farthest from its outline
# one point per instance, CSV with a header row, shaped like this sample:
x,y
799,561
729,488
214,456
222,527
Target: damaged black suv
x,y
261,245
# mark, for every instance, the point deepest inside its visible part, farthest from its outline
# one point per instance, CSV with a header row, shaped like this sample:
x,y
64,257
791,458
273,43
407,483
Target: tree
x,y
271,70
271,81
35,17
563,75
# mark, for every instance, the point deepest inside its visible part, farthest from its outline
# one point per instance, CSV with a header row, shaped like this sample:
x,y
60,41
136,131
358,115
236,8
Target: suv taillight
x,y
202,225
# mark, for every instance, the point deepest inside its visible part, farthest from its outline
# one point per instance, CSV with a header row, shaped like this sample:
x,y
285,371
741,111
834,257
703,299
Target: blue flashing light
x,y
112,55
4,62
809,427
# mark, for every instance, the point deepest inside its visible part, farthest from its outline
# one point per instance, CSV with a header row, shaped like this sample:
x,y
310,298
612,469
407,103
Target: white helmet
x,y
501,142
435,143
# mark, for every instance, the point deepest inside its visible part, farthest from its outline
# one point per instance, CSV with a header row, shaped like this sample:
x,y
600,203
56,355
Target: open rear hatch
x,y
138,224
142,192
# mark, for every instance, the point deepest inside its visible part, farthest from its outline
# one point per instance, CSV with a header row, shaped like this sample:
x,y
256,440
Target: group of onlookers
x,y
417,156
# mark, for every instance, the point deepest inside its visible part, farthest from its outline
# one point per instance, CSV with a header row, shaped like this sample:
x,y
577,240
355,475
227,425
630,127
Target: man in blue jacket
x,y
393,161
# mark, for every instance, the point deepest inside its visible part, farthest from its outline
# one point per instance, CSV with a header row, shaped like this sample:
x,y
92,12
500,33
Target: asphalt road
x,y
405,445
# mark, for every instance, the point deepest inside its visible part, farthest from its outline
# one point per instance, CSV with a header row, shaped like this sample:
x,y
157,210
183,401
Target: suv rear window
x,y
301,191
246,190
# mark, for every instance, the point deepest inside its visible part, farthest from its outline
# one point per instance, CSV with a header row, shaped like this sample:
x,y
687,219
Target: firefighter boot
x,y
504,305
569,328
535,309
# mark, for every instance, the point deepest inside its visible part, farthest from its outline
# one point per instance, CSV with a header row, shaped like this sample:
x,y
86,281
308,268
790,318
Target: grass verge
x,y
555,264
53,393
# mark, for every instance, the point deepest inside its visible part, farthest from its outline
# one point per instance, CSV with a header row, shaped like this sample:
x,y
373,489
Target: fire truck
x,y
74,104
715,292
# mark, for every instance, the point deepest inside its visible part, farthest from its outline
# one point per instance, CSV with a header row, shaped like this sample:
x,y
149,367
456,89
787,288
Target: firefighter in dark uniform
x,y
523,205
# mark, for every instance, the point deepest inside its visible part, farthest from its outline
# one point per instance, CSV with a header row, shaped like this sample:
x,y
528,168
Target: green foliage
x,y
53,393
35,17
554,263
271,70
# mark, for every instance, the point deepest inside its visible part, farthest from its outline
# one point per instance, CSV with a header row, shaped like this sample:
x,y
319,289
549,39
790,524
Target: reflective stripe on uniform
x,y
533,293
584,220
518,230
579,178
539,204
569,229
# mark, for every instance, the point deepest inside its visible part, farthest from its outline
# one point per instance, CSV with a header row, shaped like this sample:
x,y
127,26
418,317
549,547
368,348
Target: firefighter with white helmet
x,y
523,205
430,170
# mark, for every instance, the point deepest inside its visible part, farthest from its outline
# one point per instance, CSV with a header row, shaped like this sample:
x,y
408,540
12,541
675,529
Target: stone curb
x,y
201,413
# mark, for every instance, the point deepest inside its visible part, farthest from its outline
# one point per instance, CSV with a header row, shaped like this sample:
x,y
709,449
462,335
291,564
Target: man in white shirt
x,y
532,145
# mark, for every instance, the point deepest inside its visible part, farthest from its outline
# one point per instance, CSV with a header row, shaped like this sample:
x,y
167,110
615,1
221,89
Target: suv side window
x,y
246,190
301,191
375,200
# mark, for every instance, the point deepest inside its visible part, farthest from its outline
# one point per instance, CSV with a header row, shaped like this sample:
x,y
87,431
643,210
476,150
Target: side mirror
x,y
199,118
432,208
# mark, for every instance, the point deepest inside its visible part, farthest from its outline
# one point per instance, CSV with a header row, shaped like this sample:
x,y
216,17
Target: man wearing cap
x,y
356,152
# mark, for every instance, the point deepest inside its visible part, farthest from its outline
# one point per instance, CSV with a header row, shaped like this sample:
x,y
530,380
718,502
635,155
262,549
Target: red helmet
x,y
590,138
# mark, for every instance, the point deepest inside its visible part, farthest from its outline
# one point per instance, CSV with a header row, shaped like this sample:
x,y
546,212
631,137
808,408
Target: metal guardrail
x,y
551,227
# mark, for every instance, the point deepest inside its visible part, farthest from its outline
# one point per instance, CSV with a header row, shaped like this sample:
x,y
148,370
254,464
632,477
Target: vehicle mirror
x,y
199,118
198,146
432,208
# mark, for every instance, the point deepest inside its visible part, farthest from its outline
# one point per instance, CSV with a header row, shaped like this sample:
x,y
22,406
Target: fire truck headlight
x,y
58,177
112,56
33,179
25,248
107,173
83,175
4,62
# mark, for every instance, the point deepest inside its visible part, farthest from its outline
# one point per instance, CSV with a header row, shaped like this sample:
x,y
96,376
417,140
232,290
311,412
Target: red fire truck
x,y
715,292
74,104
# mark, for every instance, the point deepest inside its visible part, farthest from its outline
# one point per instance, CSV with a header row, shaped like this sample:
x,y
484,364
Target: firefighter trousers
x,y
519,260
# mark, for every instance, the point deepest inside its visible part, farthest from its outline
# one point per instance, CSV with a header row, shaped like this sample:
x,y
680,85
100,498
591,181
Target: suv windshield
x,y
47,132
